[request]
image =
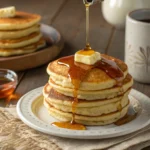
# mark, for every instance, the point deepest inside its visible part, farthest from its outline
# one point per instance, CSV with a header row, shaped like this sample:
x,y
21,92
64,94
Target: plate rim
x,y
76,136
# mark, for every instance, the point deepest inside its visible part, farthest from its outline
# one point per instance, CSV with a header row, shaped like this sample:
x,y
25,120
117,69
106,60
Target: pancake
x,y
23,50
22,20
21,42
52,96
87,120
93,111
98,94
14,34
96,79
90,108
100,99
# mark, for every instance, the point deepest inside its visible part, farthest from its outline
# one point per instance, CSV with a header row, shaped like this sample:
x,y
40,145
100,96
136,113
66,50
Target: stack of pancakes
x,y
101,100
20,34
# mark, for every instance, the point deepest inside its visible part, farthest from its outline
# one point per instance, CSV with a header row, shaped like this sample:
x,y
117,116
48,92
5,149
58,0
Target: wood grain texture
x,y
46,8
116,46
33,78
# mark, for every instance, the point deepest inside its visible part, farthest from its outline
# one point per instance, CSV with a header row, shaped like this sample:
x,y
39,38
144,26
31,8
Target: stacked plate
x,y
20,34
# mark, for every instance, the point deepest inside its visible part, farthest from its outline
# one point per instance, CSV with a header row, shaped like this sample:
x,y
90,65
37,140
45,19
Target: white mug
x,y
137,44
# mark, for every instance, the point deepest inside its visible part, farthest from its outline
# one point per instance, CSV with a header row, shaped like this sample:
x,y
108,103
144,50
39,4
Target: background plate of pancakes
x,y
23,38
32,112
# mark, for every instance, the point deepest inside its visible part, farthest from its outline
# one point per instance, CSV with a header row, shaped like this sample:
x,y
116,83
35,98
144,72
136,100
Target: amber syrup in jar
x,y
8,82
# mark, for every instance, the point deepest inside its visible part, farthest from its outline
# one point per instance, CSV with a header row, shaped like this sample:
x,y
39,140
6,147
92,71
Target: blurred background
x,y
68,16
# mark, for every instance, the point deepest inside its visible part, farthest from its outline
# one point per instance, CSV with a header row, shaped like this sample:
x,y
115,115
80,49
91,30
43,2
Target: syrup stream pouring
x,y
87,4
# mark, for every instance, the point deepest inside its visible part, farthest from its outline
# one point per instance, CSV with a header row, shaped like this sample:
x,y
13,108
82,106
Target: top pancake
x,y
96,79
20,21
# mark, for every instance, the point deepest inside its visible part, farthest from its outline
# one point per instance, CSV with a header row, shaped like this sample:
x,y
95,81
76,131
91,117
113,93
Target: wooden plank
x,y
116,47
46,8
32,79
20,76
68,23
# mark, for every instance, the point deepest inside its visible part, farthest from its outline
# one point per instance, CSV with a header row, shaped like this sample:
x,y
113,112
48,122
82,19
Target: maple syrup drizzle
x,y
111,69
69,125
77,73
88,47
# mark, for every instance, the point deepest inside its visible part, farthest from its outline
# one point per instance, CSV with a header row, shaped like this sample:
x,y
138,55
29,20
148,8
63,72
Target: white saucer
x,y
32,112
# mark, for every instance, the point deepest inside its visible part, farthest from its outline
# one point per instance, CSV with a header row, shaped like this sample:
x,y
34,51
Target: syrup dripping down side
x,y
77,73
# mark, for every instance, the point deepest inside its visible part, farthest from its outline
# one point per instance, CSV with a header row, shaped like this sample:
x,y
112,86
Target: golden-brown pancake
x,y
15,34
23,50
22,20
84,107
93,111
52,96
95,94
20,42
96,79
87,120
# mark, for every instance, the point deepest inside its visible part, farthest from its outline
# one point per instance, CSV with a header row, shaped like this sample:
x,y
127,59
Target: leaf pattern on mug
x,y
135,58
141,57
146,54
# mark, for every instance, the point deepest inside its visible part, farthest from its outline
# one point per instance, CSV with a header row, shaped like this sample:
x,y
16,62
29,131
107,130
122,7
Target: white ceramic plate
x,y
32,112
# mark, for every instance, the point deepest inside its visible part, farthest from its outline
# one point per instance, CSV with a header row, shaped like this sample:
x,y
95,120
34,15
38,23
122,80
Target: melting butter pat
x,y
7,12
88,57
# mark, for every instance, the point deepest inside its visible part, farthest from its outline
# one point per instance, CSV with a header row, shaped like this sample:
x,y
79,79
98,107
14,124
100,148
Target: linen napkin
x,y
15,135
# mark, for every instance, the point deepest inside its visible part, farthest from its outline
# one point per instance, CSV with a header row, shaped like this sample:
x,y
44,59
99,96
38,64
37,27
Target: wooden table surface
x,y
68,17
